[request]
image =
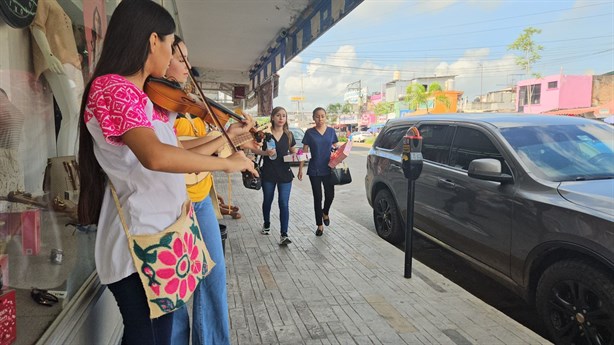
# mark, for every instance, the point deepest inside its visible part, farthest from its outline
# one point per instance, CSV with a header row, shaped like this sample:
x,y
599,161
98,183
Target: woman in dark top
x,y
276,172
319,140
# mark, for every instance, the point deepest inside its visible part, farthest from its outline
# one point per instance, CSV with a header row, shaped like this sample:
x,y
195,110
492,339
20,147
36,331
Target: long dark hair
x,y
124,52
285,128
176,42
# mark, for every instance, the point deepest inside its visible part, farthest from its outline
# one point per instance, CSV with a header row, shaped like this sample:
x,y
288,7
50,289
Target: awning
x,y
571,112
598,111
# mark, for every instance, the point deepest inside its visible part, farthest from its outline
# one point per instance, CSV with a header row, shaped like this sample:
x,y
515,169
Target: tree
x,y
333,108
528,48
529,51
417,95
384,108
347,108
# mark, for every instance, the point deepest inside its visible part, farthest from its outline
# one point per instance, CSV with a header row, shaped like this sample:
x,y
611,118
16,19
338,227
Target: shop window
x,y
45,258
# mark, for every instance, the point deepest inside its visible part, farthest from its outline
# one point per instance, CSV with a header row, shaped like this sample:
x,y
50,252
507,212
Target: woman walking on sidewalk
x,y
320,140
277,173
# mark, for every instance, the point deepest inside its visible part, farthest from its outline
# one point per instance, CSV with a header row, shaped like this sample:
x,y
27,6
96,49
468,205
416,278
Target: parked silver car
x,y
360,136
529,199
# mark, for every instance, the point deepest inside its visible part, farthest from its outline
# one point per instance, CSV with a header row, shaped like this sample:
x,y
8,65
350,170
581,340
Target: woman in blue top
x,y
319,140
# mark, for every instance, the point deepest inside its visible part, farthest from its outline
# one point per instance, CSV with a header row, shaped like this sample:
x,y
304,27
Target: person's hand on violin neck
x,y
252,145
239,162
241,127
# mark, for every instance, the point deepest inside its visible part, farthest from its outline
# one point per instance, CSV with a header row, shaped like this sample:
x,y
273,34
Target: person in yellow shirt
x,y
210,323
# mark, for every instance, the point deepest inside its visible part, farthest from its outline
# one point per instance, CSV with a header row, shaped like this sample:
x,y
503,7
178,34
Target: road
x,y
351,201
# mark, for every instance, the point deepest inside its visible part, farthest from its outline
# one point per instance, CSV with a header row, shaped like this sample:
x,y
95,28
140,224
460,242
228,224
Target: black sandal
x,y
43,297
319,232
326,220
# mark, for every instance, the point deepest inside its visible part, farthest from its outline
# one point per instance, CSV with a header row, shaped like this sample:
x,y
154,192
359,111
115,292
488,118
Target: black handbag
x,y
340,175
250,180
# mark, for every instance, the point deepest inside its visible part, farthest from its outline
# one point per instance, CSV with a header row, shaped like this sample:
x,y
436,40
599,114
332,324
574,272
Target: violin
x,y
169,95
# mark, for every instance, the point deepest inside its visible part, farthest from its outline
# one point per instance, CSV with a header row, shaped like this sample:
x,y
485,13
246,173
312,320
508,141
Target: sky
x,y
468,39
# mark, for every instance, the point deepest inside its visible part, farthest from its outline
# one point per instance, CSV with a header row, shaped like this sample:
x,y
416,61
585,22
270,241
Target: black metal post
x,y
409,227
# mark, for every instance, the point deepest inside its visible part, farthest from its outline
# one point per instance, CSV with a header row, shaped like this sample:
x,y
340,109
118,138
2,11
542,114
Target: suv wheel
x,y
386,218
576,302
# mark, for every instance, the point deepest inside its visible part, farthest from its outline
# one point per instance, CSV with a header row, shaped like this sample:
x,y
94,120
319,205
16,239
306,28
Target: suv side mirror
x,y
488,169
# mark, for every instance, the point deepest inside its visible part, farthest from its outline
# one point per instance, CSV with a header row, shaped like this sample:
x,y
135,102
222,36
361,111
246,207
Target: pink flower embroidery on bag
x,y
180,274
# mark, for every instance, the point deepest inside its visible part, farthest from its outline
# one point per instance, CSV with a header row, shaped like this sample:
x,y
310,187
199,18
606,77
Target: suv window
x,y
391,138
470,144
436,142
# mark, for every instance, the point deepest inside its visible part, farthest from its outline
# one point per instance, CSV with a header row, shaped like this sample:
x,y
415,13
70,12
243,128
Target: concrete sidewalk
x,y
346,287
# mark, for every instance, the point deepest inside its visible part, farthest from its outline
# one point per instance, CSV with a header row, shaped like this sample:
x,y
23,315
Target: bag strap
x,y
119,210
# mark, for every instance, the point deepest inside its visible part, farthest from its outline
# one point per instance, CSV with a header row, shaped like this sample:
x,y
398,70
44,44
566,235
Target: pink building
x,y
554,92
367,119
376,98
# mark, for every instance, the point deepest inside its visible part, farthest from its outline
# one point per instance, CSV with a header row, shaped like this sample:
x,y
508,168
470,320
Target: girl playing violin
x,y
125,139
210,308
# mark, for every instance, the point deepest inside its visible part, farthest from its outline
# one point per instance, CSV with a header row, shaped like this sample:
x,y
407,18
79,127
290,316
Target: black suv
x,y
529,199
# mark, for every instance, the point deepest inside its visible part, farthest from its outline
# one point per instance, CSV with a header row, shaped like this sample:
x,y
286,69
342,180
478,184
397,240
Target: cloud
x,y
324,80
367,8
438,5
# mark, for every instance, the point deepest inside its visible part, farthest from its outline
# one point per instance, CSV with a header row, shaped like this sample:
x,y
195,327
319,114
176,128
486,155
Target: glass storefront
x,y
47,53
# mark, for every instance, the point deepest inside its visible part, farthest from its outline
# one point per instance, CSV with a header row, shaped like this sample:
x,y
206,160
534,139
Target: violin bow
x,y
202,95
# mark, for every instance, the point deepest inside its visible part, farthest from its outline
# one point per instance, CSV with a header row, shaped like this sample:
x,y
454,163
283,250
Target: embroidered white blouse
x,y
151,201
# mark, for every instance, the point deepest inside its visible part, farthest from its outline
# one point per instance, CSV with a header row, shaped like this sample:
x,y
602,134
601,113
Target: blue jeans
x,y
138,327
210,323
283,197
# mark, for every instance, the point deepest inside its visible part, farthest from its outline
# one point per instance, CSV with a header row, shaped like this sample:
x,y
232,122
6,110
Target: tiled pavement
x,y
346,287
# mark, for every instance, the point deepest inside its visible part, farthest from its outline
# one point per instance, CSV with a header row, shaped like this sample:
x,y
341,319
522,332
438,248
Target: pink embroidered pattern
x,y
118,106
160,115
181,275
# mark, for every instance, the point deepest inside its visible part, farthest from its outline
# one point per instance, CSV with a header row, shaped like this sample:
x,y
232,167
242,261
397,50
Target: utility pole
x,y
481,83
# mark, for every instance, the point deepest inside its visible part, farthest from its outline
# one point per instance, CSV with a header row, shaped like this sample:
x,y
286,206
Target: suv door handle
x,y
445,183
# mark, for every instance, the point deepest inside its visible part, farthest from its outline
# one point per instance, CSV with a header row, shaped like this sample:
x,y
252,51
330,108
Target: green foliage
x,y
333,108
347,108
528,49
417,95
383,108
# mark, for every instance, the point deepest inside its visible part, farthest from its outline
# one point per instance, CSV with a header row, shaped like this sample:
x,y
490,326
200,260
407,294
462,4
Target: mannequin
x,y
56,57
11,125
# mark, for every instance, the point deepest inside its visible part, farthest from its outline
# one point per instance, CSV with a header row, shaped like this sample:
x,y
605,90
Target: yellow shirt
x,y
194,128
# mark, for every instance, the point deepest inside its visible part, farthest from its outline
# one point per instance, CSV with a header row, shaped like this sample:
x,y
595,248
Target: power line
x,y
413,39
386,52
489,20
491,68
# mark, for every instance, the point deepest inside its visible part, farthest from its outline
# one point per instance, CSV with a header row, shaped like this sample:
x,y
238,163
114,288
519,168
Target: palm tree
x,y
347,108
333,108
417,95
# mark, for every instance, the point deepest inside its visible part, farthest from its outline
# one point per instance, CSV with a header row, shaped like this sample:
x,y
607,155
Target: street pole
x,y
409,225
481,83
412,167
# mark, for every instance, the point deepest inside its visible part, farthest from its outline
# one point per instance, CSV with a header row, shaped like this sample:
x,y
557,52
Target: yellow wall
x,y
441,108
